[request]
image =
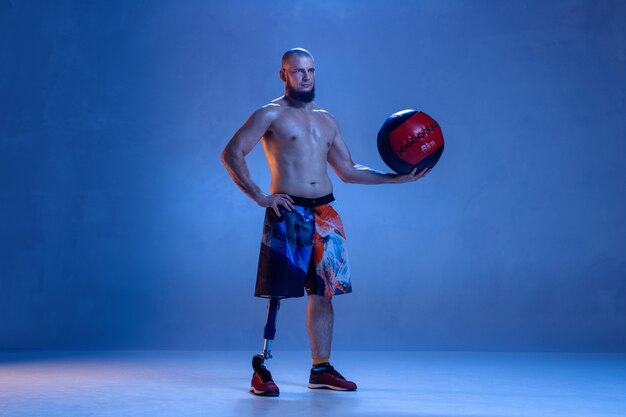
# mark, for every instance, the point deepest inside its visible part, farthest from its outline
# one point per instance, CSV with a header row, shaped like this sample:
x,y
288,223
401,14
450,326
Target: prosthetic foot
x,y
262,382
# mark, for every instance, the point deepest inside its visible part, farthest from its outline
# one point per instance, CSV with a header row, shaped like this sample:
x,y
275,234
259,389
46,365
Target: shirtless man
x,y
303,244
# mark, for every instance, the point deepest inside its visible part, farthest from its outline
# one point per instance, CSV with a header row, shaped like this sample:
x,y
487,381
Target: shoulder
x,y
327,116
270,108
266,113
274,107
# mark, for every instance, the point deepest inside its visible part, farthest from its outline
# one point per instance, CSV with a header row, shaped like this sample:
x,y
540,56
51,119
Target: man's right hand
x,y
275,200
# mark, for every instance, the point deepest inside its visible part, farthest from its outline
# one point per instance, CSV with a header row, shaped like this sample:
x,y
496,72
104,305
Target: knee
x,y
320,300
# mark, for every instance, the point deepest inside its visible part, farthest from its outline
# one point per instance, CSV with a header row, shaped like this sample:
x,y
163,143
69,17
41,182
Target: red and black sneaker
x,y
262,383
325,376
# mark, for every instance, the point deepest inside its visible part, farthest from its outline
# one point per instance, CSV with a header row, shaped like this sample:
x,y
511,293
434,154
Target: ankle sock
x,y
320,364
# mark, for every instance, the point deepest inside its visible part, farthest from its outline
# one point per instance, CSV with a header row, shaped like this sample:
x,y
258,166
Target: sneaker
x,y
327,377
262,383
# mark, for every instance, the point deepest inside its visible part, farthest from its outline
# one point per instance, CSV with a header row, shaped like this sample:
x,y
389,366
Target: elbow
x,y
346,175
346,178
226,157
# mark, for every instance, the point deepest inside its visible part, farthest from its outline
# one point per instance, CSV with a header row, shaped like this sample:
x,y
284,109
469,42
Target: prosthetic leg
x,y
268,333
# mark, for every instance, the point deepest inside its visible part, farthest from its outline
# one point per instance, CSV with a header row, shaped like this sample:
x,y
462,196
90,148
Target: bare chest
x,y
298,129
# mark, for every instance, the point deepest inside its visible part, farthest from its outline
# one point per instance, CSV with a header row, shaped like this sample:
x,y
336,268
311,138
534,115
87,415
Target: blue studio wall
x,y
120,228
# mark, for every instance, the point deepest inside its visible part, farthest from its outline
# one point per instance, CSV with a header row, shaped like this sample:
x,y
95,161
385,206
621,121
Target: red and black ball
x,y
410,139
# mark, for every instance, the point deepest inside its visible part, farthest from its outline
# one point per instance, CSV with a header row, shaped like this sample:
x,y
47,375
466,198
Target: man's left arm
x,y
340,160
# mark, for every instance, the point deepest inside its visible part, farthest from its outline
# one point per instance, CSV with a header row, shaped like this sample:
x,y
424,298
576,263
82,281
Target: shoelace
x,y
329,369
264,374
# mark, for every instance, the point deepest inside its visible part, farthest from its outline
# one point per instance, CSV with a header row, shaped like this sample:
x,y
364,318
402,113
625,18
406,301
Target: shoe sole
x,y
325,386
264,393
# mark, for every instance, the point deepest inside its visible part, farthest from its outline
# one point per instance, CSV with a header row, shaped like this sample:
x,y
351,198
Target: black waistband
x,y
312,202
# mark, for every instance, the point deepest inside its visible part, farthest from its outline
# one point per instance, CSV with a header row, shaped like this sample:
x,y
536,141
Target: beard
x,y
303,96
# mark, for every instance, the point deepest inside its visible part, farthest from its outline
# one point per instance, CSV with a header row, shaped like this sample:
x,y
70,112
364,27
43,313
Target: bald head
x,y
298,74
299,52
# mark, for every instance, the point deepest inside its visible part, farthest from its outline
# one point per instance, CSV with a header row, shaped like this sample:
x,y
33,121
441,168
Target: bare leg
x,y
319,320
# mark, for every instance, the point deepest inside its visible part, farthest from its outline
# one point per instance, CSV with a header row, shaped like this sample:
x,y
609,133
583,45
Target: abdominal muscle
x,y
301,187
309,180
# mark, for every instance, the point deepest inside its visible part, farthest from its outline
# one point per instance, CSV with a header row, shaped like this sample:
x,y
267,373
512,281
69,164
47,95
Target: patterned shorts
x,y
304,248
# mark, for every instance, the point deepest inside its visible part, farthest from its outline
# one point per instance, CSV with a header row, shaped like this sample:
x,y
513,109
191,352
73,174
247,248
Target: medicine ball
x,y
410,139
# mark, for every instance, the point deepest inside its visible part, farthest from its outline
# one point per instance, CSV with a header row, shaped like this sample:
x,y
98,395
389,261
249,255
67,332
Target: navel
x,y
293,138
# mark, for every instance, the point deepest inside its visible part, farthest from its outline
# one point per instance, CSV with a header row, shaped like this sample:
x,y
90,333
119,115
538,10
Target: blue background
x,y
120,228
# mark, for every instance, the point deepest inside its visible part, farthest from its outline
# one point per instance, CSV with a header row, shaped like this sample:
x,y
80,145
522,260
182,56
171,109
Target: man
x,y
303,243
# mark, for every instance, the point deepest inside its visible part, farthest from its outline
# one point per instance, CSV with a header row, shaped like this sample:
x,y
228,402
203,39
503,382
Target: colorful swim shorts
x,y
303,248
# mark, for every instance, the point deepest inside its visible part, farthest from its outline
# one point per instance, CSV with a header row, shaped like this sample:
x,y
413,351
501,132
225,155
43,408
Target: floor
x,y
183,383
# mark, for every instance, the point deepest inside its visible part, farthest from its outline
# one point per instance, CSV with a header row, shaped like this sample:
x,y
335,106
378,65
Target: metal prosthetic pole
x,y
268,333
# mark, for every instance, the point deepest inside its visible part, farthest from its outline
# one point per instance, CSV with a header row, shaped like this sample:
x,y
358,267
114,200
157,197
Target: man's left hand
x,y
411,176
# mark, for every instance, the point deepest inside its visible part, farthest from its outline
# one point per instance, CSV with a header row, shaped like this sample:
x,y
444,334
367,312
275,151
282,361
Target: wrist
x,y
392,178
258,197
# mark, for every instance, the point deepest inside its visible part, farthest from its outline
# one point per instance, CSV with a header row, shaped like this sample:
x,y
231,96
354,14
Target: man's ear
x,y
281,74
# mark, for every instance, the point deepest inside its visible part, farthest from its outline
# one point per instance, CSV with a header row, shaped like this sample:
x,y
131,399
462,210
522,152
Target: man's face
x,y
298,74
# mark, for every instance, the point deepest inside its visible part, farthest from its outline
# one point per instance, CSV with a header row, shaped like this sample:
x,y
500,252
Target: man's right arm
x,y
242,143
